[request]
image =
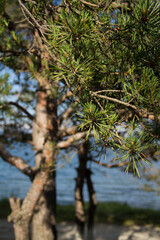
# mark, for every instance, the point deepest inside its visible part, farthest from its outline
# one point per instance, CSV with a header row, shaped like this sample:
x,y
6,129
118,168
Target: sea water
x,y
109,184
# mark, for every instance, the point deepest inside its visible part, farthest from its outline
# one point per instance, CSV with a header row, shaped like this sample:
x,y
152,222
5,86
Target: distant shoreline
x,y
107,213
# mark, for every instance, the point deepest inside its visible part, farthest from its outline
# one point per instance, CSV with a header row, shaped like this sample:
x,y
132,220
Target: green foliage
x,y
112,65
109,58
113,213
5,88
123,214
2,6
100,121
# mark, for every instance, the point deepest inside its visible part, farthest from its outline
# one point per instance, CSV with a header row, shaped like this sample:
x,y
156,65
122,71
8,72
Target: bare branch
x,y
65,115
114,100
71,140
143,112
109,90
19,107
127,114
31,117
24,9
110,165
63,131
118,4
17,162
89,4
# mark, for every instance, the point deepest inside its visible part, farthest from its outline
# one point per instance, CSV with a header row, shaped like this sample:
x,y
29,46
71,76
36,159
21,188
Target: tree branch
x,y
110,165
63,131
89,4
71,140
17,162
31,117
41,28
25,211
63,98
143,112
114,100
65,115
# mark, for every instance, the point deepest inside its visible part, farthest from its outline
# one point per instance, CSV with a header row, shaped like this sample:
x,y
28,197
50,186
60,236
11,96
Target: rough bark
x,y
79,204
41,198
20,225
18,162
92,207
22,212
43,222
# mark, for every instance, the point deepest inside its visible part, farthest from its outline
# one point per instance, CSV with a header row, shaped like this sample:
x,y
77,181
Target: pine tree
x,y
25,58
107,54
109,57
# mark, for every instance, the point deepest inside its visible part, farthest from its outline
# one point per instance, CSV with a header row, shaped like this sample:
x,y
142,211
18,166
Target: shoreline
x,y
106,213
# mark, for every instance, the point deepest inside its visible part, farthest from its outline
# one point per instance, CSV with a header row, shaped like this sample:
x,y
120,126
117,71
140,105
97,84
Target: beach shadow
x,y
101,232
107,232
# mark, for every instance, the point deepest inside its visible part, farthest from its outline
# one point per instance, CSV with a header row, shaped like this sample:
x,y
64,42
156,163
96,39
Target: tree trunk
x,y
44,222
92,207
22,212
79,204
44,138
21,231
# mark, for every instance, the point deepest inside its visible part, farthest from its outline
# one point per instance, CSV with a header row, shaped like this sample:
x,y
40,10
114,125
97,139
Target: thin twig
x,y
99,104
68,85
144,127
110,165
23,7
30,116
109,90
89,4
118,101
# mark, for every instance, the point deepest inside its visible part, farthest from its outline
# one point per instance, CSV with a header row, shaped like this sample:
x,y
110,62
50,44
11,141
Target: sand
x,y
101,232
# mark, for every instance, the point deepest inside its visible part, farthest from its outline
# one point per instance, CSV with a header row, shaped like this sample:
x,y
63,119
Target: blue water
x,y
109,184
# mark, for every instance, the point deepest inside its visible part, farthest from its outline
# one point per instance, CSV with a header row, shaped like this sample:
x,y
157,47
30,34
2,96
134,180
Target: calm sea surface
x,y
109,184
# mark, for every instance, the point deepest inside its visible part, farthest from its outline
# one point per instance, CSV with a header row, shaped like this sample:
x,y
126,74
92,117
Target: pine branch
x,y
142,112
114,100
35,23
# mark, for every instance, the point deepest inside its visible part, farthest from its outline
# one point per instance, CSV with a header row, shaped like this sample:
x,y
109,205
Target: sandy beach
x,y
101,232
